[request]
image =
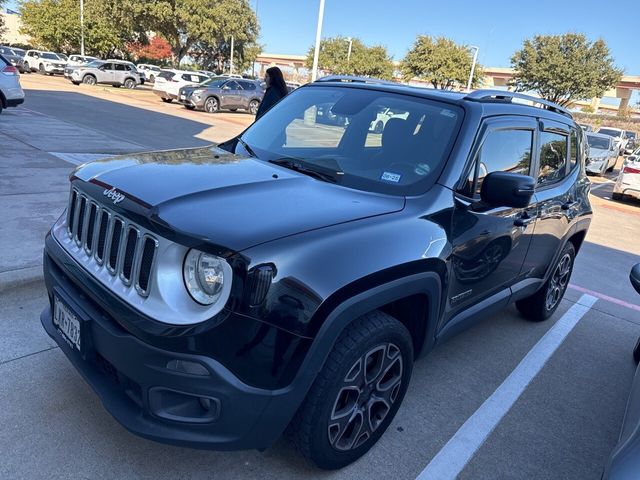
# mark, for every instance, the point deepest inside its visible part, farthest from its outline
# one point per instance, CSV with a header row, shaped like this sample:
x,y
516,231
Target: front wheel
x,y
356,394
129,83
211,105
253,107
89,80
541,305
41,69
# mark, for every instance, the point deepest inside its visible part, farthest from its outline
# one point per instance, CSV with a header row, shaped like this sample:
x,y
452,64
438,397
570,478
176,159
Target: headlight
x,y
197,91
204,276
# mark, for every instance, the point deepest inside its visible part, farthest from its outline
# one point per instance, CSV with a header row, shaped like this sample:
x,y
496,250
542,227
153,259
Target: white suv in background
x,y
619,138
44,62
150,71
11,94
169,82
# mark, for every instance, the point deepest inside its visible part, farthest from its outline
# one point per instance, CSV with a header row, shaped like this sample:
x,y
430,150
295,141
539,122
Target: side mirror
x,y
504,189
634,276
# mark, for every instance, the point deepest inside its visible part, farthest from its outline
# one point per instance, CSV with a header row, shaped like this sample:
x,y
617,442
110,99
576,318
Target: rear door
x,y
489,244
120,71
556,201
106,73
247,94
230,96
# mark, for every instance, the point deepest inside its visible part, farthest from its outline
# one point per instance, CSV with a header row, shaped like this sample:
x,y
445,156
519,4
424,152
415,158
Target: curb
x,y
19,278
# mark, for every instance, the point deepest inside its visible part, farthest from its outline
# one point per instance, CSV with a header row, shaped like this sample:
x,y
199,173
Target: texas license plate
x,y
182,97
67,323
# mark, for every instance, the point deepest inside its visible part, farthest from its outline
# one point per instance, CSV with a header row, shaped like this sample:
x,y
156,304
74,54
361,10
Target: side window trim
x,y
538,148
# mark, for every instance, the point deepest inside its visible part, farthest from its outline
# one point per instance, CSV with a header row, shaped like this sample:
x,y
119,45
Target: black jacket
x,y
271,97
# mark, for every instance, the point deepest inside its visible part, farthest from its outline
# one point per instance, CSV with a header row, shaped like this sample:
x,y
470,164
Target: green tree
x,y
204,27
364,61
109,24
565,68
2,28
441,62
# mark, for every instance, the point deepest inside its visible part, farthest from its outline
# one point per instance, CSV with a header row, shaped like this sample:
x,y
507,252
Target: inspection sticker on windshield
x,y
391,177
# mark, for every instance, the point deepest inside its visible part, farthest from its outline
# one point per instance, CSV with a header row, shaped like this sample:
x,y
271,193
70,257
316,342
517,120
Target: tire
x,y
189,107
341,391
610,169
542,304
379,127
0,106
233,109
617,196
130,83
211,105
76,83
152,79
41,69
27,67
253,107
167,100
89,80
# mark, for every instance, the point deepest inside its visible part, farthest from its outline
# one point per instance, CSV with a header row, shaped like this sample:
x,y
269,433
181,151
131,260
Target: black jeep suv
x,y
287,279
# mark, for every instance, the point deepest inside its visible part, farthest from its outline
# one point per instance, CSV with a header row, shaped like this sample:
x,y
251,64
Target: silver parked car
x,y
14,57
113,72
603,154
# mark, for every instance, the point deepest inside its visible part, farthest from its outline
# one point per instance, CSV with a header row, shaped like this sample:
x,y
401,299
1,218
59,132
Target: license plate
x,y
67,323
182,97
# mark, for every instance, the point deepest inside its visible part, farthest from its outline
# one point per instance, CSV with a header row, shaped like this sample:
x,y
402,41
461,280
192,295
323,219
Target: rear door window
x,y
248,85
553,158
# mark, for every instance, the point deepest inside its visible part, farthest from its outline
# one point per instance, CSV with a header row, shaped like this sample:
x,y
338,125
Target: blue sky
x,y
497,27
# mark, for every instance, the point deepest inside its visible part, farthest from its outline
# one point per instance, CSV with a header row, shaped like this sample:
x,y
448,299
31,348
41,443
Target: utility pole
x,y
231,62
349,52
81,27
473,67
253,68
316,53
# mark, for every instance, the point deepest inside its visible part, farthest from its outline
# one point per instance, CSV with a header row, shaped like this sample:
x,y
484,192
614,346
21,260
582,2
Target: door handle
x,y
569,205
524,220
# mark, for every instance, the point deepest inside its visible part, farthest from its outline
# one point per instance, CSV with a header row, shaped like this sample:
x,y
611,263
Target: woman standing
x,y
276,90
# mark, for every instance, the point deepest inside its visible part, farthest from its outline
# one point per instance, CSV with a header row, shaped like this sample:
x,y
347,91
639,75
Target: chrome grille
x,y
114,242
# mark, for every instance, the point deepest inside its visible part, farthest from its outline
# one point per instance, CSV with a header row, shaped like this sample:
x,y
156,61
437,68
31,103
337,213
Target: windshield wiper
x,y
306,169
247,147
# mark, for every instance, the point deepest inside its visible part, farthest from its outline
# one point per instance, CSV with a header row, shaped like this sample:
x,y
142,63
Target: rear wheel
x,y
617,196
356,394
167,100
253,106
211,105
89,80
189,107
541,305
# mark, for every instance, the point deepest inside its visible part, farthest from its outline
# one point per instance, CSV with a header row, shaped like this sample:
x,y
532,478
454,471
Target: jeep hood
x,y
229,200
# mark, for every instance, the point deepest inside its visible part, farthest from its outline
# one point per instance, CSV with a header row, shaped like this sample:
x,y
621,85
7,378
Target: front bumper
x,y
596,167
192,101
53,69
136,385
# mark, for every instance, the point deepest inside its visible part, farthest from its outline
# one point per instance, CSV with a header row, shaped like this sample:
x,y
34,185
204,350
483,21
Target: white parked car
x,y
150,71
44,62
628,181
11,94
618,136
77,60
169,82
383,116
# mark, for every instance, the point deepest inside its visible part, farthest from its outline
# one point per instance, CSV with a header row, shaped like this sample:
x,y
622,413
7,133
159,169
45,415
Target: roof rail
x,y
355,79
506,96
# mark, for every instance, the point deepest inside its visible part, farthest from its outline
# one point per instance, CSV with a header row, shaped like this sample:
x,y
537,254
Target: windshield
x,y
610,132
50,56
598,142
342,132
630,135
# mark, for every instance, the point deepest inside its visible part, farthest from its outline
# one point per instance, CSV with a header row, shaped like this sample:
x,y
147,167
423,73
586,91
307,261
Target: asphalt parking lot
x,y
508,399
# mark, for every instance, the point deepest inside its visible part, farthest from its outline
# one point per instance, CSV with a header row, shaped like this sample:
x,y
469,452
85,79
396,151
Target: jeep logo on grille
x,y
114,195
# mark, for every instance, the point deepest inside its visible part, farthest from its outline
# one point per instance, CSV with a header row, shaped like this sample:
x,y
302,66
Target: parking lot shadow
x,y
147,129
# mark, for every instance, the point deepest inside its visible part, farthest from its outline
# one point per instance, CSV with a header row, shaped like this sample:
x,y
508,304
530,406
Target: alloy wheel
x,y
558,281
253,107
211,105
368,392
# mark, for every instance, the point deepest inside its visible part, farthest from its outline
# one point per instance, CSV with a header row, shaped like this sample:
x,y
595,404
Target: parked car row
x,y
110,72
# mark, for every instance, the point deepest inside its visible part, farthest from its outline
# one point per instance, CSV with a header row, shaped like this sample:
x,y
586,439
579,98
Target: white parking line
x,y
457,452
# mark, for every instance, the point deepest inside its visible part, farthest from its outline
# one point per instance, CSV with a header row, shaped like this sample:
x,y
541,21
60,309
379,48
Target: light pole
x,y
253,67
81,27
231,62
349,52
473,66
316,53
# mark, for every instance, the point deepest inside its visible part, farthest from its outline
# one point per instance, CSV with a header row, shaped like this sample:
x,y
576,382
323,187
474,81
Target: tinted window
x,y
232,84
50,56
166,75
553,157
326,128
501,151
107,66
573,153
120,67
610,132
248,85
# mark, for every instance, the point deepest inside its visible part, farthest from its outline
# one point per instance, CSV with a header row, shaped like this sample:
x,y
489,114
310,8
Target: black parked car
x,y
287,279
14,57
631,141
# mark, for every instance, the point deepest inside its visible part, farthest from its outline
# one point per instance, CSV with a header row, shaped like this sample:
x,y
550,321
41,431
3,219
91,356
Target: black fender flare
x,y
290,398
